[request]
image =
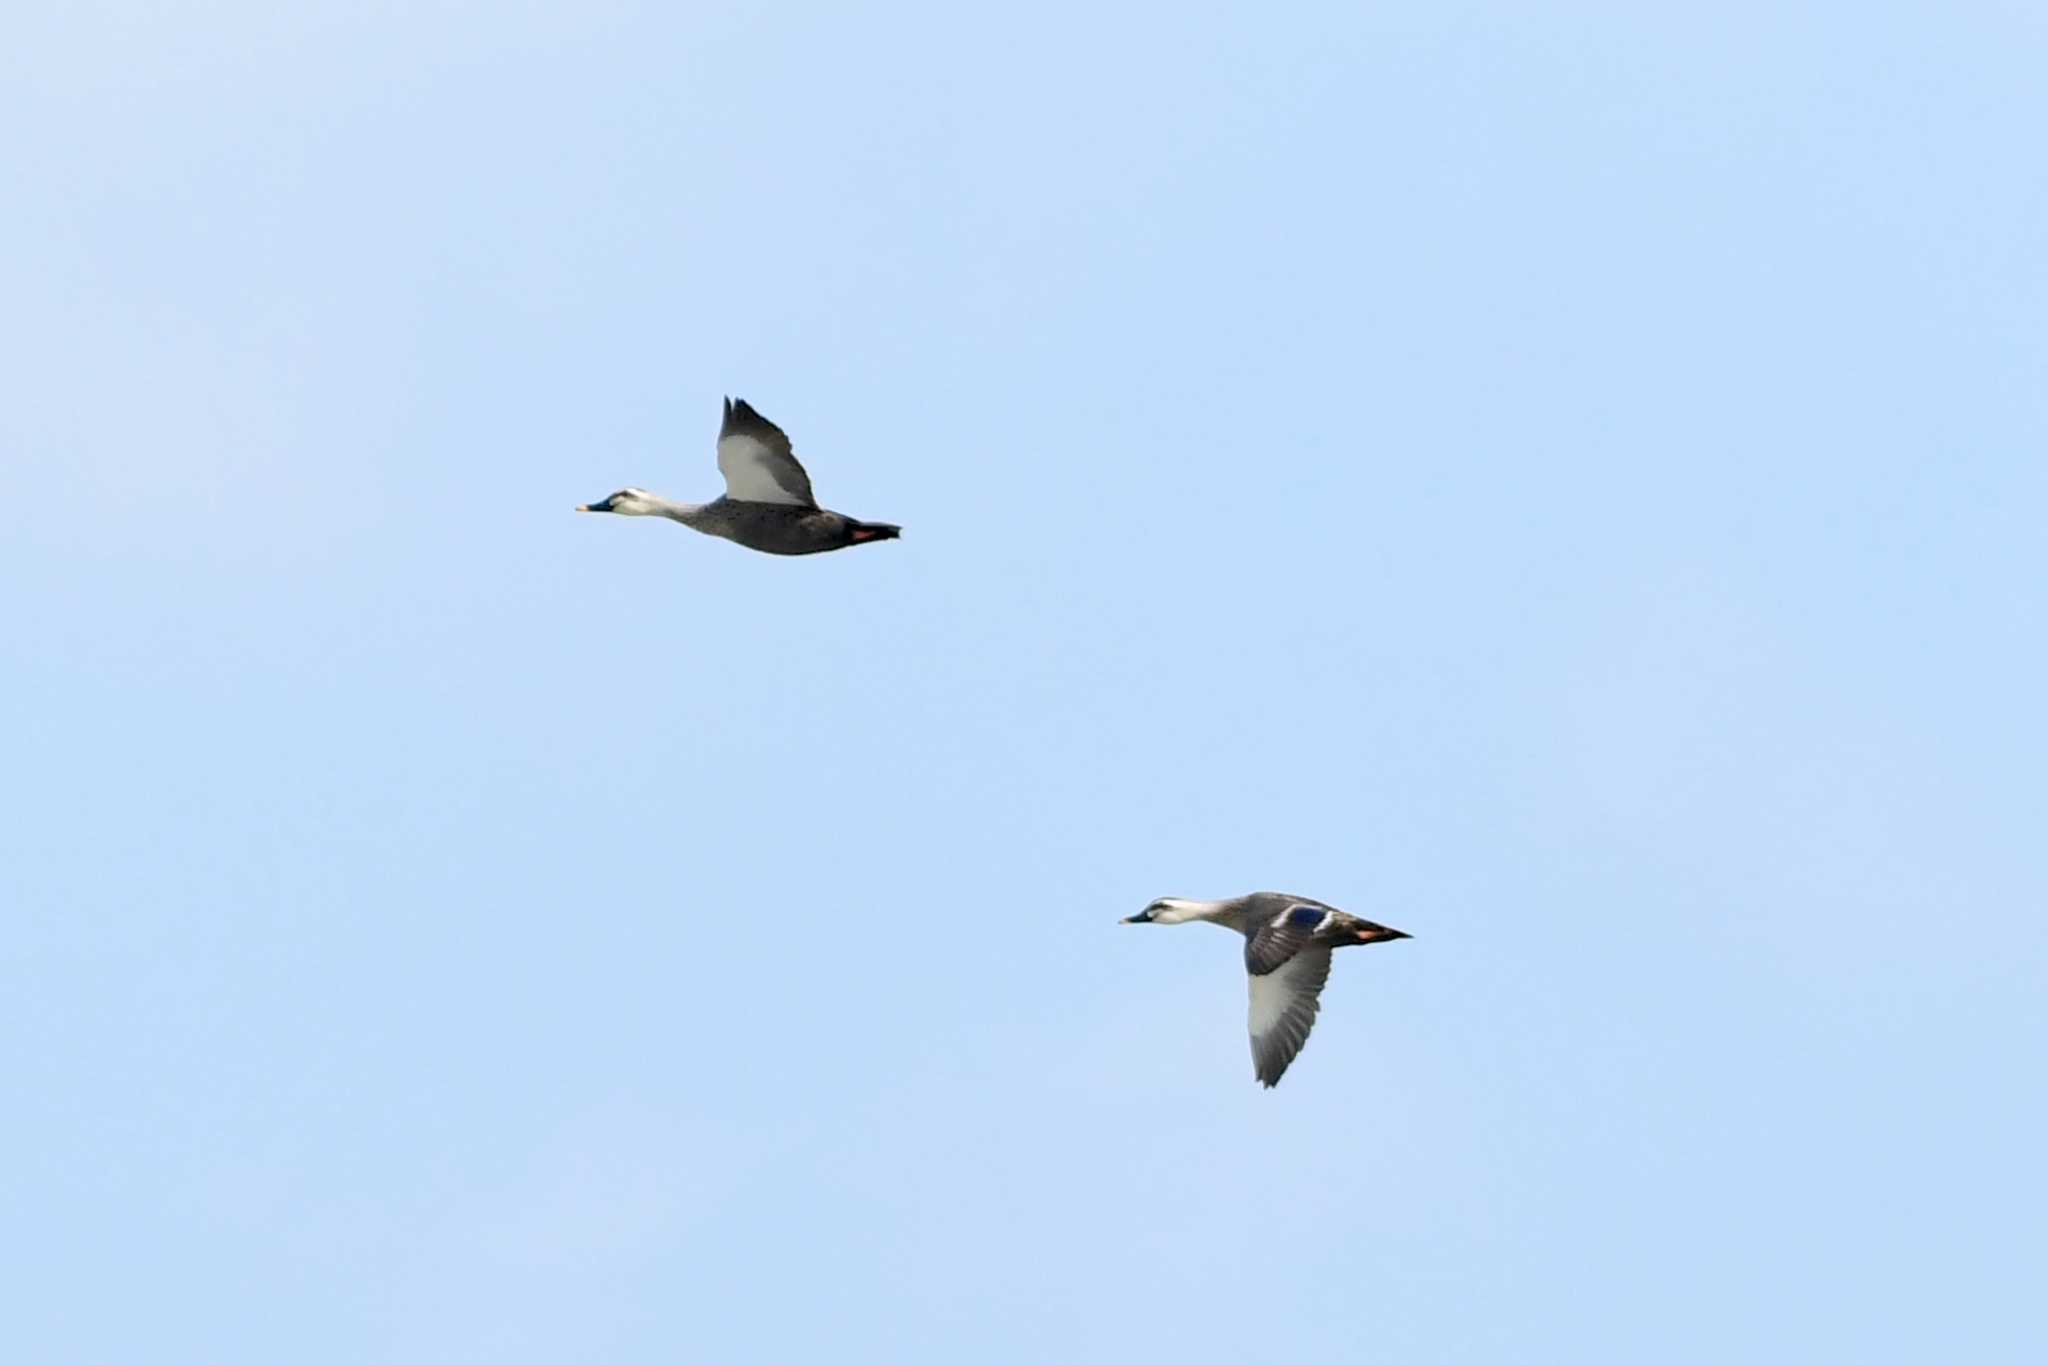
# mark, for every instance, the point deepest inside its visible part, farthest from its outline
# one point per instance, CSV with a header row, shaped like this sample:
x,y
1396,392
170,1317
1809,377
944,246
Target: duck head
x,y
1171,910
627,502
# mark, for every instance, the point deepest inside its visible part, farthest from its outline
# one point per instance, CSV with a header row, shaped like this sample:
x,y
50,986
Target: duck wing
x,y
755,458
1272,938
1285,998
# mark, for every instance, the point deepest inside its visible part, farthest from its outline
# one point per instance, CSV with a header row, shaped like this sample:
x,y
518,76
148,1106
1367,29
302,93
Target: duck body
x,y
1288,942
767,505
778,528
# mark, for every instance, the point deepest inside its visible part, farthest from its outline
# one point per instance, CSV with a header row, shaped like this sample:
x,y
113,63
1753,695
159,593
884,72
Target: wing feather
x,y
756,460
1279,937
1284,1001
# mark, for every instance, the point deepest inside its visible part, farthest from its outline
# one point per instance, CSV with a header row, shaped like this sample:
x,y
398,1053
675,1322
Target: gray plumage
x,y
768,504
1287,945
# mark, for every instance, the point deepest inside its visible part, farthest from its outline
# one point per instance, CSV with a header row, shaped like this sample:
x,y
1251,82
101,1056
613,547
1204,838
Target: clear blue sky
x,y
1566,481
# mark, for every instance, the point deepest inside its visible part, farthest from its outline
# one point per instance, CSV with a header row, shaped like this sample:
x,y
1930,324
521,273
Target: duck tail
x,y
861,532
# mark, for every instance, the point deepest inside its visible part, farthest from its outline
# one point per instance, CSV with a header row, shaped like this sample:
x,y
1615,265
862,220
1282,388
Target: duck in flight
x,y
767,504
1287,945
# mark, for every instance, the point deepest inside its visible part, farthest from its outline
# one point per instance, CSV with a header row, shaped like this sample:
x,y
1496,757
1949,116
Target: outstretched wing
x,y
755,458
1284,1003
1288,967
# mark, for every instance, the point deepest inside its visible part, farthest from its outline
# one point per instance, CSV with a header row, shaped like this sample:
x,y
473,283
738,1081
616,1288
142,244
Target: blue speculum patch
x,y
1301,917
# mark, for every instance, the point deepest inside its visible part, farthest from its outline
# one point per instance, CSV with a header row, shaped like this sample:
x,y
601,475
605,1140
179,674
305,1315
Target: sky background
x,y
1565,481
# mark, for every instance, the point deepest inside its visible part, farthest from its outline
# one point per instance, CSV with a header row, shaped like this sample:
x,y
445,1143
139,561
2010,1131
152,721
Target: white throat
x,y
1174,910
655,505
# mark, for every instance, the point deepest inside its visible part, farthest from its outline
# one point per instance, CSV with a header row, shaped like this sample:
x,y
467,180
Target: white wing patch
x,y
1270,998
749,469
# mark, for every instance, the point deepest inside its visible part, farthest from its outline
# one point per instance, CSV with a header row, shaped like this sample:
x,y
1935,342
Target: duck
x,y
768,504
1288,942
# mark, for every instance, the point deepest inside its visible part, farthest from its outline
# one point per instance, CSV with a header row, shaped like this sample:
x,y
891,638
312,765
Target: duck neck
x,y
685,512
1185,911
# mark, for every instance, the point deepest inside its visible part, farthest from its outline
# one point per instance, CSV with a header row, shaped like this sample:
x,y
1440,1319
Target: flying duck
x,y
1288,942
767,503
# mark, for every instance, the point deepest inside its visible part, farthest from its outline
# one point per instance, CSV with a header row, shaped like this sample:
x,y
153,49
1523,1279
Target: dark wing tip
x,y
1271,1063
742,416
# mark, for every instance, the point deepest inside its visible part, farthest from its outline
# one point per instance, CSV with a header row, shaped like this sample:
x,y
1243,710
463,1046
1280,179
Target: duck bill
x,y
604,506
